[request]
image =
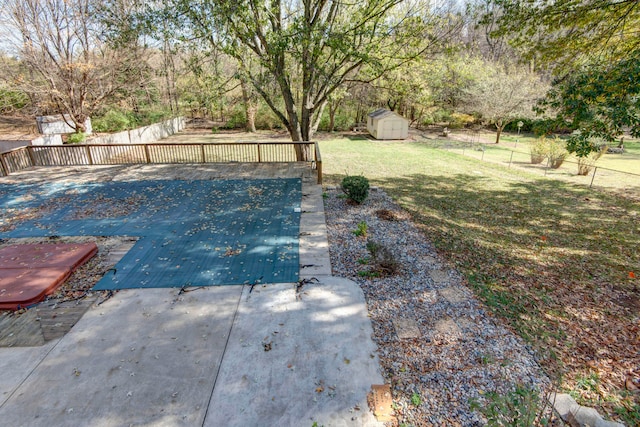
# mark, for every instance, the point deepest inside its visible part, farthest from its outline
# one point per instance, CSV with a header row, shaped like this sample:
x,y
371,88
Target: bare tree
x,y
502,94
71,68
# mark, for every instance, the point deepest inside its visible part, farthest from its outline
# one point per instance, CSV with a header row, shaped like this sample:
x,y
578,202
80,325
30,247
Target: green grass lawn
x,y
553,259
620,172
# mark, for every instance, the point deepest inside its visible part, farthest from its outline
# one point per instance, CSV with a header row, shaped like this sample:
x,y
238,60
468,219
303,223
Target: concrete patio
x,y
283,354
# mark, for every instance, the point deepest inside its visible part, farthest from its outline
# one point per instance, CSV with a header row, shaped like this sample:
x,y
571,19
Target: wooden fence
x,y
116,154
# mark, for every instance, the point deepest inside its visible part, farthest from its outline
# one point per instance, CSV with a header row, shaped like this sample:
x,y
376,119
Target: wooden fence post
x,y
89,158
32,158
318,162
3,165
146,153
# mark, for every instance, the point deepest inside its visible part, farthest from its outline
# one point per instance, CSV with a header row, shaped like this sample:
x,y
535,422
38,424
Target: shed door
x,y
392,129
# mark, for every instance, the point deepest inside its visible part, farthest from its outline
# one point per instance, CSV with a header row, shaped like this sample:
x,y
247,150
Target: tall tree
x,y
309,48
592,47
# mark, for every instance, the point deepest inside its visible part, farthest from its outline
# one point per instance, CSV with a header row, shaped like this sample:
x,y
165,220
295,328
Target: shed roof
x,y
383,112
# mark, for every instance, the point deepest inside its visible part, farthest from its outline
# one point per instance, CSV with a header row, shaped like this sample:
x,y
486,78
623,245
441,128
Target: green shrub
x,y
112,121
76,138
267,120
236,120
539,150
151,116
12,100
361,230
527,125
552,149
426,119
415,399
556,152
441,116
342,121
542,127
356,187
460,120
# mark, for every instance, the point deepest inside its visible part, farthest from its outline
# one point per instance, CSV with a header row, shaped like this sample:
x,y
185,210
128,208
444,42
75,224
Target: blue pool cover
x,y
190,233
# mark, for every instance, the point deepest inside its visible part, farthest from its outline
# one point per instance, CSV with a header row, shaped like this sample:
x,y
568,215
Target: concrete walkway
x,y
271,355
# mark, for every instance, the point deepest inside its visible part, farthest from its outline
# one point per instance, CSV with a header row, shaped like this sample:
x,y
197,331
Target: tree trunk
x,y
250,106
332,119
499,128
252,109
333,109
316,122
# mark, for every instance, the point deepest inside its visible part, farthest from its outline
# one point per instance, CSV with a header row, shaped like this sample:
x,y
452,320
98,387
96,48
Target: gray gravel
x,y
437,343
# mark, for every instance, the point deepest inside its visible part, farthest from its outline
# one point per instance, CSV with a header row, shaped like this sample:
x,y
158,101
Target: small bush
x,y
556,152
267,120
538,151
441,116
237,120
553,149
415,399
361,231
356,187
426,119
460,120
76,138
586,163
112,121
150,116
12,100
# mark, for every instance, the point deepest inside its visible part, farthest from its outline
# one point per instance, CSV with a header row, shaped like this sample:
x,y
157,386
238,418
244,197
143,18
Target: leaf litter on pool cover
x,y
185,228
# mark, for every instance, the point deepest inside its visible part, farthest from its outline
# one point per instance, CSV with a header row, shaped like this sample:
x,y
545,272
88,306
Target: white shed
x,y
385,124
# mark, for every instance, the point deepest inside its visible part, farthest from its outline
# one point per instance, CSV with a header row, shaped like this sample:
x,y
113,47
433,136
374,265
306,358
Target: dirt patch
x,y
17,127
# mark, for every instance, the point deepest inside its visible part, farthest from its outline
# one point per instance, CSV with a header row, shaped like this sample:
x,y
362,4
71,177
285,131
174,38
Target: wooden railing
x,y
114,154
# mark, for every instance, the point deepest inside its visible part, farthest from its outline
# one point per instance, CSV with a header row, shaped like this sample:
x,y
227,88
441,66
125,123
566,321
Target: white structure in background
x,y
52,128
50,125
143,135
385,124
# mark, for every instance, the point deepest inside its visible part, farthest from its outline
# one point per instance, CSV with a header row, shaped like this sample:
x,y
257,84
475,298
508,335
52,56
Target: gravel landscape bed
x,y
439,348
